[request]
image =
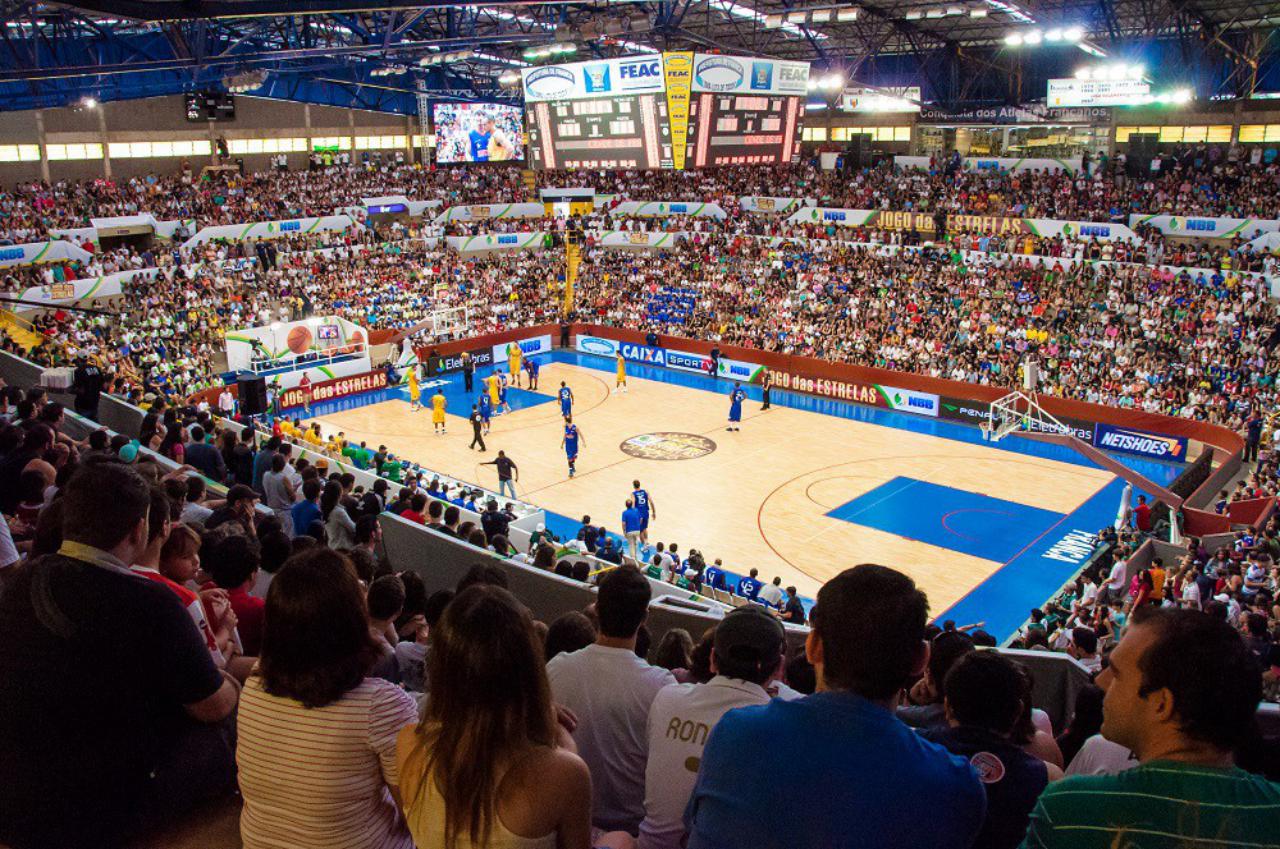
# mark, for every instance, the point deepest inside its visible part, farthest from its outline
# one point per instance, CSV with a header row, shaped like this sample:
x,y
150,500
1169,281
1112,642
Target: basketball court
x,y
803,491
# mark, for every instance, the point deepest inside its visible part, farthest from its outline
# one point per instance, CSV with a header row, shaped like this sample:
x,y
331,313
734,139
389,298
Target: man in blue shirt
x,y
867,643
749,587
632,522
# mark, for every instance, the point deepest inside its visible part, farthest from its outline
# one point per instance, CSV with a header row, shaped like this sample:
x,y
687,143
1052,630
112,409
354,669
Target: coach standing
x,y
766,384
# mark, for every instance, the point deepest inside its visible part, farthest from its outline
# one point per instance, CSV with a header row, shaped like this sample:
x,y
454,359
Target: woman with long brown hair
x,y
489,766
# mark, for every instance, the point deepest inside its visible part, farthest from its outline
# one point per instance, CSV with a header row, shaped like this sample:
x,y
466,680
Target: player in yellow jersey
x,y
438,403
514,355
494,382
621,384
415,391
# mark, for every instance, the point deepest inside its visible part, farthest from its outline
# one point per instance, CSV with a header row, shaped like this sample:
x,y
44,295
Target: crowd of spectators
x,y
228,650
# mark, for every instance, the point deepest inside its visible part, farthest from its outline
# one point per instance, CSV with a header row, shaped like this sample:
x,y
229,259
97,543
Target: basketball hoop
x,y
1016,411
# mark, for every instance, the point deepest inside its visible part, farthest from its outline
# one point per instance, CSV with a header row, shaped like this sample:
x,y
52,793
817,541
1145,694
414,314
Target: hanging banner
x,y
745,75
666,207
497,242
677,72
999,163
759,203
271,229
52,251
482,211
957,223
75,291
641,241
1207,227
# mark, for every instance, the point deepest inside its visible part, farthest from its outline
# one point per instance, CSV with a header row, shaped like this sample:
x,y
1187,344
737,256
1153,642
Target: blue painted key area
x,y
968,522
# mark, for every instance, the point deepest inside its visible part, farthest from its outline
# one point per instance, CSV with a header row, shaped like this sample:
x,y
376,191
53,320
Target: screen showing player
x,y
478,132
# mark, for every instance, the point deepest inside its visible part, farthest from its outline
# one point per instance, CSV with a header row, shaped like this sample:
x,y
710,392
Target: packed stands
x,y
243,618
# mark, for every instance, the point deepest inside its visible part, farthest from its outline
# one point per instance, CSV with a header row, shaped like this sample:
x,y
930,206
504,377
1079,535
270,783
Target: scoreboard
x,y
614,132
743,129
664,111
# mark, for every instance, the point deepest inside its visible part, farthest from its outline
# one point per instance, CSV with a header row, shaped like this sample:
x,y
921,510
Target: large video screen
x,y
477,132
610,132
743,129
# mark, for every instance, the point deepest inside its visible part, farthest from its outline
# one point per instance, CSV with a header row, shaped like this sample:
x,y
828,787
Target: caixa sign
x,y
1140,443
643,354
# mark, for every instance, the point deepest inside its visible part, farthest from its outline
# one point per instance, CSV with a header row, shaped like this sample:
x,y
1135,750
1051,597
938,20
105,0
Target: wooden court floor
x,y
760,498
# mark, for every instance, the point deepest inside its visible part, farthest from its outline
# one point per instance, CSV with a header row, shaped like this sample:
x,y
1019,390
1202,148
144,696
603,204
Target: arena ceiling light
x,y
829,82
772,21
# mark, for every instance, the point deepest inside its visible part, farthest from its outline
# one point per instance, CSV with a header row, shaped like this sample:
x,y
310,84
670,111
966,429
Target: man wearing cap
x,y
747,652
237,508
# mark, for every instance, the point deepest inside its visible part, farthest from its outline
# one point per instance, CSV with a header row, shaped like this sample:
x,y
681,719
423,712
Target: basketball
x,y
299,340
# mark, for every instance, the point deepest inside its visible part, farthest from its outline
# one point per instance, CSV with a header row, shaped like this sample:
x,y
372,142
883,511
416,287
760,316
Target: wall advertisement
x,y
1141,443
328,390
532,345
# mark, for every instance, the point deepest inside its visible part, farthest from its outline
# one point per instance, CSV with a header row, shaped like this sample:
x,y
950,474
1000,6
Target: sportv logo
x,y
675,359
1141,443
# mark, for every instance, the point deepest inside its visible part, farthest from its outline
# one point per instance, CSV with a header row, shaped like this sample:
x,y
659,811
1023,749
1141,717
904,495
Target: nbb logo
x,y
1095,231
735,370
639,70
833,215
508,240
286,226
1202,225
1137,442
11,253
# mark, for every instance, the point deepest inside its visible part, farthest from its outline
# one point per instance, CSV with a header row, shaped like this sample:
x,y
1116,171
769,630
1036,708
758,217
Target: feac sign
x,y
638,70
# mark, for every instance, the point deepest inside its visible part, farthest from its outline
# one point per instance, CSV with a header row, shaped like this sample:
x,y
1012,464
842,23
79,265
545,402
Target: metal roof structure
x,y
377,54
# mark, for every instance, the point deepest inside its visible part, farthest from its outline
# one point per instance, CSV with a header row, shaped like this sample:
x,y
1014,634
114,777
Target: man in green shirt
x,y
1182,690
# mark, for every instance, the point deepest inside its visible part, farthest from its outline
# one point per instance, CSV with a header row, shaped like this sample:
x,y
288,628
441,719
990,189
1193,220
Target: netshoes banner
x,y
772,205
1141,443
1206,228
667,207
534,241
327,390
995,224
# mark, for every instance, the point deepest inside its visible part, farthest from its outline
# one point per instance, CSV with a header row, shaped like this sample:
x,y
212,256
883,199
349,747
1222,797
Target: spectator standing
x,y
488,765
494,521
867,643
86,383
747,651
1181,693
79,625
610,690
317,736
205,458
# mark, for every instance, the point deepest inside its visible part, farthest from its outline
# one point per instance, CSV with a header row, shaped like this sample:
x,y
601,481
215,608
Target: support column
x,y
102,136
44,147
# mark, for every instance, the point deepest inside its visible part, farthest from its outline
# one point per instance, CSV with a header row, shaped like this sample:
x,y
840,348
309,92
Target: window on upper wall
x,y
814,134
330,142
68,152
19,153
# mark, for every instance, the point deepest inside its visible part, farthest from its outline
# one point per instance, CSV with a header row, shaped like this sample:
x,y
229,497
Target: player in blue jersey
x,y
570,444
566,400
648,510
486,410
736,397
503,405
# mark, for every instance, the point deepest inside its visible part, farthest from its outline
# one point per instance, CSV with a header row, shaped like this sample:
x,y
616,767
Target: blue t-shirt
x,y
631,520
566,395
748,587
883,786
571,439
641,498
479,146
303,514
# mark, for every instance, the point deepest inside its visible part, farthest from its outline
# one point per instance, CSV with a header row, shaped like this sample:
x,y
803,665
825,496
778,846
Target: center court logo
x,y
667,446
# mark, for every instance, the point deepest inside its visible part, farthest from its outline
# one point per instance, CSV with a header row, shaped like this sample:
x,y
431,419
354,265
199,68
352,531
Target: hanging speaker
x,y
253,395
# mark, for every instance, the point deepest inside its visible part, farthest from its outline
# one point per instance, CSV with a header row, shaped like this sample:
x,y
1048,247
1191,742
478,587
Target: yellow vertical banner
x,y
677,71
573,259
